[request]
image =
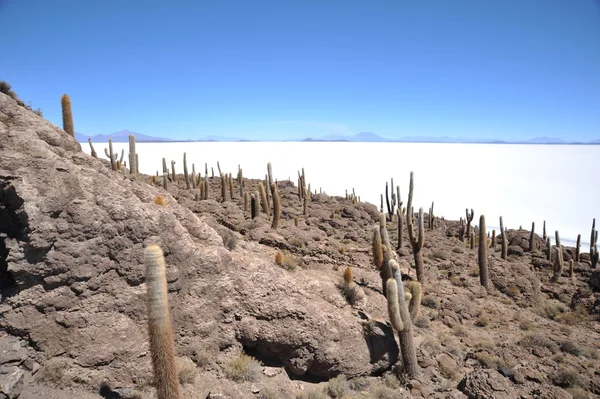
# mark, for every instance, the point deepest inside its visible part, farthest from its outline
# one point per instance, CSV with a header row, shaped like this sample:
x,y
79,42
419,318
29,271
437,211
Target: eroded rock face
x,y
73,275
487,384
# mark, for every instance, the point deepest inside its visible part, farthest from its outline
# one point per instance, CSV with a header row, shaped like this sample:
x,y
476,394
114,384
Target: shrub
x,y
336,388
242,368
187,370
160,200
570,347
7,89
430,301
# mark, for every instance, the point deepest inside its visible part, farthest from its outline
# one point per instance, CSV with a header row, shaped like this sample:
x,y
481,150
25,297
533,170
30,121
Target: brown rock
x,y
487,384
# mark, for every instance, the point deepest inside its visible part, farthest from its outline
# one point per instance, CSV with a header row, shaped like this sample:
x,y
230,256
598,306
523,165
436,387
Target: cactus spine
x,y
397,307
67,115
162,345
504,241
276,206
482,253
531,236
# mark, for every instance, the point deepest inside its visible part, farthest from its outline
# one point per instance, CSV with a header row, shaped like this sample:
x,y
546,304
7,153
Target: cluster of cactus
x,y
401,314
352,197
160,332
416,238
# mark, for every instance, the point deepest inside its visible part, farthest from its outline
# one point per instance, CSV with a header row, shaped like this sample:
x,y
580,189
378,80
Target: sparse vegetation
x,y
242,368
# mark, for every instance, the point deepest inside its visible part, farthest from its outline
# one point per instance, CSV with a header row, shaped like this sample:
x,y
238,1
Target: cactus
x,y
230,186
173,175
165,173
390,207
253,206
544,231
110,155
416,241
223,187
93,151
240,178
504,241
376,248
67,115
472,239
305,202
571,268
493,240
431,217
193,177
219,167
469,219
246,201
206,187
263,200
578,248
482,253
132,156
400,228
416,293
401,321
185,172
162,345
594,235
461,230
558,265
276,206
548,249
531,236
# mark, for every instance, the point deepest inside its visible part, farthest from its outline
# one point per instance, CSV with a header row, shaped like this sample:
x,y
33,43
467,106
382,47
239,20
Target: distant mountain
x,y
363,137
119,137
545,140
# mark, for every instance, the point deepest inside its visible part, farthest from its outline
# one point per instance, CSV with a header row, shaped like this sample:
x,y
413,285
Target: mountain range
x,y
363,137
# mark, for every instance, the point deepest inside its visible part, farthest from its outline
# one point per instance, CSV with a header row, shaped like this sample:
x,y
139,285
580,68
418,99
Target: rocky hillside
x,y
259,312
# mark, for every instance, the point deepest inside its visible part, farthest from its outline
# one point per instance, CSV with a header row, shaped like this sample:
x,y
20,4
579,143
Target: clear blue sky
x,y
508,69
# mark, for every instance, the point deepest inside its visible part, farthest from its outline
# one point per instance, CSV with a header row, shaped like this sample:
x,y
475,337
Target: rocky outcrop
x,y
73,278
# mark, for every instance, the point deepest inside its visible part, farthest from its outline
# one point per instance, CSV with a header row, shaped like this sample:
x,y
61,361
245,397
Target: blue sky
x,y
507,69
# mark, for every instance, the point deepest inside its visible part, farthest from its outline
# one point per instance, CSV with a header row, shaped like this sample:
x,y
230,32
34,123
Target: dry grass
x,y
337,387
286,261
160,200
242,368
53,371
187,370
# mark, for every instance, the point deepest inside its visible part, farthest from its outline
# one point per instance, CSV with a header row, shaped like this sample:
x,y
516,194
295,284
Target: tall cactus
x,y
376,248
186,176
223,187
548,248
276,206
67,115
263,199
401,320
400,228
558,262
469,219
578,248
482,253
416,241
504,240
92,150
531,236
162,345
594,235
544,235
165,173
133,159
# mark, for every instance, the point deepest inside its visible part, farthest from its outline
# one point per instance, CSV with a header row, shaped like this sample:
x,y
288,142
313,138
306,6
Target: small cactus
x,y
92,150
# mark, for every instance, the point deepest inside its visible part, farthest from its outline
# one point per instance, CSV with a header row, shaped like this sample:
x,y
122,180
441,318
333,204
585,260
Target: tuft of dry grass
x,y
160,200
187,370
242,368
286,261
